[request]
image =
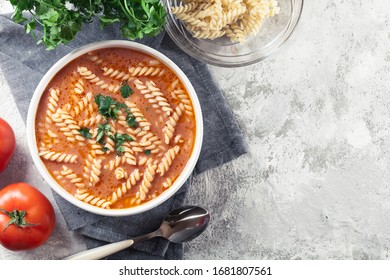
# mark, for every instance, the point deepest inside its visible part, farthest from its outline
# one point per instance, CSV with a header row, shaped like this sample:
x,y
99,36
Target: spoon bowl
x,y
180,225
184,224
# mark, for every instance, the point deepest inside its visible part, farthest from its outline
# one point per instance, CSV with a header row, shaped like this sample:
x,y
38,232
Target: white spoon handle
x,y
101,252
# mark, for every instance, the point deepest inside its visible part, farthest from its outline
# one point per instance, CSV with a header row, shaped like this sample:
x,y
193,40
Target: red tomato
x,y
7,144
27,217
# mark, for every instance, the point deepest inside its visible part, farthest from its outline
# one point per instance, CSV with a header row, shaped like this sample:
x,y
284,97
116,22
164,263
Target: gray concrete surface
x,y
316,116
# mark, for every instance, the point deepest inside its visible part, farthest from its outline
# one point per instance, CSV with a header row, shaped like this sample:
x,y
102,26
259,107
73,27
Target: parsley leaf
x,y
103,129
126,90
130,119
147,152
119,150
123,137
108,107
84,131
119,140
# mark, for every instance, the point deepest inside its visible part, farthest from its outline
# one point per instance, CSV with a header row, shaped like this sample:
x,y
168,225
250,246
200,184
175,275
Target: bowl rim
x,y
33,109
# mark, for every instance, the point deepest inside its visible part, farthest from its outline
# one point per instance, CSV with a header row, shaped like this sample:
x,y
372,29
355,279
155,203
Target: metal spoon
x,y
180,225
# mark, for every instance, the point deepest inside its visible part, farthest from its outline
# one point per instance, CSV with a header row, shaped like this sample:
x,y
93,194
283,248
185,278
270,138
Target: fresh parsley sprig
x,y
120,139
61,20
126,90
109,108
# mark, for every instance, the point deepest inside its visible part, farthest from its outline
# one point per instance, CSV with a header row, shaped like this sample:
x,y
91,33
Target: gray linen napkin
x,y
24,63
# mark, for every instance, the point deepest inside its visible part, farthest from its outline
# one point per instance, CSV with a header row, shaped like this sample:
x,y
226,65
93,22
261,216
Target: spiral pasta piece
x,y
170,125
67,125
133,179
83,195
110,144
93,79
238,19
82,104
96,169
181,95
184,9
167,160
114,163
92,170
128,154
52,104
146,71
146,183
95,119
116,74
235,32
139,117
167,183
158,97
120,173
58,157
72,177
95,58
79,86
154,95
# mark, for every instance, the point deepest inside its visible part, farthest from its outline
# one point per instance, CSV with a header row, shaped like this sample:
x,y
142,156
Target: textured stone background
x,y
316,116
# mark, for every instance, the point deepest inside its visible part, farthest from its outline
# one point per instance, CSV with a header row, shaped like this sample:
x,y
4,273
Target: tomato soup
x,y
115,127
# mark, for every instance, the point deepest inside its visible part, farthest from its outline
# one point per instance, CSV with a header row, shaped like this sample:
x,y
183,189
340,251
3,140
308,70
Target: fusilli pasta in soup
x,y
115,128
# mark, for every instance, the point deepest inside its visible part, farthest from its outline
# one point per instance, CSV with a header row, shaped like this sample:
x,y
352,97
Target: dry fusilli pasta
x,y
236,18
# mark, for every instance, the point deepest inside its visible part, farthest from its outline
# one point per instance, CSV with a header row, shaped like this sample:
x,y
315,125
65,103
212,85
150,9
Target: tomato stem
x,y
17,218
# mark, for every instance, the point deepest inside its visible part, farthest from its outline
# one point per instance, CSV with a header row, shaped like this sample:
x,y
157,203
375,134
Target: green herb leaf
x,y
120,150
84,131
130,119
99,137
103,129
126,90
147,152
123,137
108,107
119,140
105,149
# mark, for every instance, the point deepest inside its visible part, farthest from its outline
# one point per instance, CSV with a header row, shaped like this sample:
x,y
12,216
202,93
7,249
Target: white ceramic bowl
x,y
32,143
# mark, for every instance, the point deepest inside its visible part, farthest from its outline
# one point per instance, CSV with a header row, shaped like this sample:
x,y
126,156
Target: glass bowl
x,y
222,52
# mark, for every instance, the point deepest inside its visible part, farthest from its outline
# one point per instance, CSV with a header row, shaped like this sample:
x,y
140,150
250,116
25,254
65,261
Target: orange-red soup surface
x,y
115,127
